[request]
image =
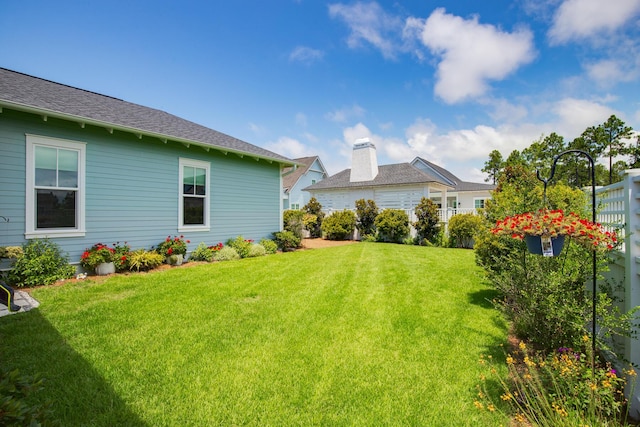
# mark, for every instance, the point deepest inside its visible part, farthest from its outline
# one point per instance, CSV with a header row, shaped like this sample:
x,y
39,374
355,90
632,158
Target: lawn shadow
x,y
483,298
78,394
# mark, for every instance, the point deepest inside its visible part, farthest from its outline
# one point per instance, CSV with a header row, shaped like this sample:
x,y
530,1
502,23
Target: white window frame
x,y
31,232
207,197
484,202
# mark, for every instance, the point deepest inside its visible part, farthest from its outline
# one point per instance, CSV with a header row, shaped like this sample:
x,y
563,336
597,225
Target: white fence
x,y
619,209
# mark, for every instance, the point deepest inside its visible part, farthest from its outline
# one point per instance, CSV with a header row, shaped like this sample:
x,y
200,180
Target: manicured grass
x,y
366,334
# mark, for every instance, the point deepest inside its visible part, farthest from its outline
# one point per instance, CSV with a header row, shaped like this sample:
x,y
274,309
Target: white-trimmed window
x,y
55,188
478,203
193,214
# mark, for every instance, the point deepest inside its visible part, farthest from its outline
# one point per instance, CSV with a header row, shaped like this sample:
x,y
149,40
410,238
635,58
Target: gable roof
x,y
290,176
35,95
396,174
458,184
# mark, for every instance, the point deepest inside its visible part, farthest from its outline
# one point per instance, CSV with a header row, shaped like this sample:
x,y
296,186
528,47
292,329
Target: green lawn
x,y
366,334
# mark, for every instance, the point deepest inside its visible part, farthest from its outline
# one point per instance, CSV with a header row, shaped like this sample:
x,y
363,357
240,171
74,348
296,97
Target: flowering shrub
x,y
204,252
173,246
241,245
97,254
554,223
559,389
121,256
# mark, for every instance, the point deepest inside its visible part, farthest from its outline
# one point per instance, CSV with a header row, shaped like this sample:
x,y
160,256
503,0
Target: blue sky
x,y
446,80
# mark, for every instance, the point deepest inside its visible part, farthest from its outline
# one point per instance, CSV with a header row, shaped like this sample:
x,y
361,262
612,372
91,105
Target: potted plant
x,y
550,227
173,249
99,258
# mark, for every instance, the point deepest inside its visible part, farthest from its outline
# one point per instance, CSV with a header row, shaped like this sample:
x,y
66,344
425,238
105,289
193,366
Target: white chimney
x,y
364,162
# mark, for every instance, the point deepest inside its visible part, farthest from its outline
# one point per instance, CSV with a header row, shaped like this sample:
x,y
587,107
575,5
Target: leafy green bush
x,y
16,408
241,245
286,240
226,254
315,208
427,224
122,256
463,228
270,246
366,213
256,250
143,260
42,263
293,221
392,225
202,253
339,225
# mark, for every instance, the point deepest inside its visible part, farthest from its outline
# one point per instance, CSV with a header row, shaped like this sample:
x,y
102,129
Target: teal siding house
x,y
81,168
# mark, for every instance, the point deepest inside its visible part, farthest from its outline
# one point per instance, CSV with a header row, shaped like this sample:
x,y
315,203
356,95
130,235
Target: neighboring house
x,y
79,168
398,186
294,179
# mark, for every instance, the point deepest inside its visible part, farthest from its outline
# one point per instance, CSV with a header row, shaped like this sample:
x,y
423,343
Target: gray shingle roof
x,y
28,93
396,174
289,178
458,184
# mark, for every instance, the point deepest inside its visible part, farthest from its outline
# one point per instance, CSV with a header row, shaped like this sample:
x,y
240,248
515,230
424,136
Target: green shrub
x,y
122,256
226,254
392,225
42,263
427,224
366,213
293,221
241,245
143,260
313,207
339,225
256,250
270,246
16,407
463,229
368,238
286,240
202,253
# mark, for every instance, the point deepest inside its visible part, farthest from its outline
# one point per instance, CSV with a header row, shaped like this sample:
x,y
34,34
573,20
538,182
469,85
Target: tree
x,y
493,166
315,208
613,131
540,154
366,212
392,225
428,221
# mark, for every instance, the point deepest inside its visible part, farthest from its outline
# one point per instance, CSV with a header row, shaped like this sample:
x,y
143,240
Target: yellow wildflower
x,y
585,338
478,405
510,360
491,408
522,346
520,418
506,396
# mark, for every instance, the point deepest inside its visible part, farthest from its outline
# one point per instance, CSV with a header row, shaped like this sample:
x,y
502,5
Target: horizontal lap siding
x,y
132,187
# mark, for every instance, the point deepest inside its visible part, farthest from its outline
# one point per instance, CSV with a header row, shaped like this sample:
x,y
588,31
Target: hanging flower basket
x,y
544,245
554,223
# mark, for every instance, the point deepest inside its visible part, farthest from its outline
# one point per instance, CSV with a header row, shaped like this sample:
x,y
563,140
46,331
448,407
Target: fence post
x,y
632,269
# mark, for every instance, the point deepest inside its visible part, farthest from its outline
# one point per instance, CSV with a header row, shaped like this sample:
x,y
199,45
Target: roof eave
x,y
139,132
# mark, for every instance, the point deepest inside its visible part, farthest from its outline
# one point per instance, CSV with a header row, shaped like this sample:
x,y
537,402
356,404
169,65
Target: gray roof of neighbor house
x,y
458,184
396,174
32,94
289,177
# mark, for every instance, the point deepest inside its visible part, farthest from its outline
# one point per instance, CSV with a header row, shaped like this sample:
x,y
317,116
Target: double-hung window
x,y
194,196
478,203
55,188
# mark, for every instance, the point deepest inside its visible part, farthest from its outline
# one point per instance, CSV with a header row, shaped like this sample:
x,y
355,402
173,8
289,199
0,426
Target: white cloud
x,y
290,147
301,119
345,114
369,23
305,55
472,53
608,72
580,19
575,115
257,129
